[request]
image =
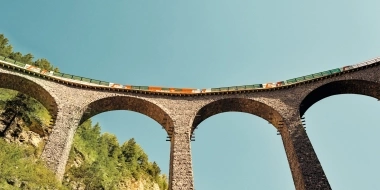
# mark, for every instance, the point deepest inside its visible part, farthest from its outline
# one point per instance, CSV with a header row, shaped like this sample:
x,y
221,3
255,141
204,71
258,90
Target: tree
x,y
43,64
16,56
3,41
128,150
5,49
16,108
111,145
27,59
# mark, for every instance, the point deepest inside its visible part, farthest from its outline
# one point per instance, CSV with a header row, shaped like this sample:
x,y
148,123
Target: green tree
x,y
43,64
16,108
154,170
17,56
27,59
5,48
111,145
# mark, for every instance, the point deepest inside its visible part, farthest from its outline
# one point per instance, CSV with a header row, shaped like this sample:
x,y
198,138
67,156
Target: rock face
x,y
132,184
13,129
127,184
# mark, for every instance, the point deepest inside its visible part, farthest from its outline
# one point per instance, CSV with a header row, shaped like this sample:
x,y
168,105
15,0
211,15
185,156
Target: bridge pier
x,y
306,169
181,171
57,148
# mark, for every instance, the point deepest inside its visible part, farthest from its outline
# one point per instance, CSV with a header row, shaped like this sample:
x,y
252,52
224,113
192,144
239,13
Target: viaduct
x,y
70,103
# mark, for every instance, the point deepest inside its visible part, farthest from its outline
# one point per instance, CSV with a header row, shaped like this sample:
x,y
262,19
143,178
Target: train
x,y
93,82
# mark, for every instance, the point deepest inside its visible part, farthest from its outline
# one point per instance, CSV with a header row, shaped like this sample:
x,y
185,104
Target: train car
x,y
113,85
204,90
32,68
154,88
280,83
196,91
182,90
346,68
337,70
269,85
188,90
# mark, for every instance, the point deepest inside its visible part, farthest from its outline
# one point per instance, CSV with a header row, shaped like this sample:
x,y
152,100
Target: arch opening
x,y
343,130
30,88
141,149
128,103
361,87
24,119
237,105
230,157
234,150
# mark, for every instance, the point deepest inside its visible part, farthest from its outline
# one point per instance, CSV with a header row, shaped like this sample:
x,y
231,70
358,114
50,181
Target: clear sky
x,y
217,43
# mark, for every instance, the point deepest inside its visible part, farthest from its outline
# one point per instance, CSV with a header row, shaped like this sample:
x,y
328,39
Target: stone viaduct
x,y
72,103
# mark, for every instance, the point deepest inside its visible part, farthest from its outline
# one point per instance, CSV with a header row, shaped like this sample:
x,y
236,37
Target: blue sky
x,y
203,44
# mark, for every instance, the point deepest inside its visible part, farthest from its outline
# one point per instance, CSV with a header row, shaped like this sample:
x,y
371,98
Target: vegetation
x,y
107,165
6,50
96,160
19,167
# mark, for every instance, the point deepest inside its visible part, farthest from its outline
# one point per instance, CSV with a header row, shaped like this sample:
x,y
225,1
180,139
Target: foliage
x,y
105,163
6,95
22,107
6,50
18,167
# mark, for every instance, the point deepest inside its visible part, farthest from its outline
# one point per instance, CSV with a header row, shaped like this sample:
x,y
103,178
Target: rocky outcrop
x,y
132,184
13,129
127,184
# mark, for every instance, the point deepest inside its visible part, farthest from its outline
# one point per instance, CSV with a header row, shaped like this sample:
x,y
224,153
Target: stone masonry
x,y
70,104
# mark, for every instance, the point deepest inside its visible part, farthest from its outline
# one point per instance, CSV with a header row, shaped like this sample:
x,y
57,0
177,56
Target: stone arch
x,y
238,105
128,103
31,89
355,86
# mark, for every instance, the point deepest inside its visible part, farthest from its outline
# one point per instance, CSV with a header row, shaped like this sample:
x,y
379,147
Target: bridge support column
x,y
181,171
57,148
306,169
